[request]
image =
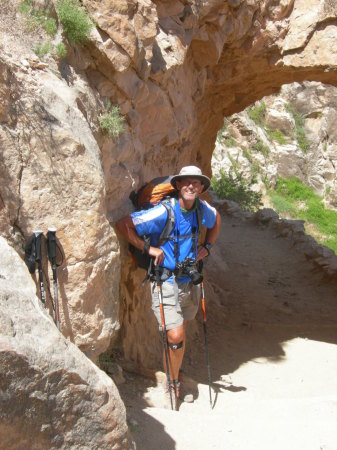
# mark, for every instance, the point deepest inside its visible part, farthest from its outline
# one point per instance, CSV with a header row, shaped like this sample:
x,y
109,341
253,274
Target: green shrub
x,y
260,147
255,170
42,50
247,155
299,124
237,190
302,139
76,22
38,17
266,181
230,142
25,7
111,122
257,113
234,167
50,25
61,50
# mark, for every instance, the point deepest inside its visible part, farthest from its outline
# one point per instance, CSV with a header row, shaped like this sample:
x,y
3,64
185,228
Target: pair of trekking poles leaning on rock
x,y
165,238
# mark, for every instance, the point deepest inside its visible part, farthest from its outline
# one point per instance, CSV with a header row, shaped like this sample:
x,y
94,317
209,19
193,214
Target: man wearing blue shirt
x,y
180,295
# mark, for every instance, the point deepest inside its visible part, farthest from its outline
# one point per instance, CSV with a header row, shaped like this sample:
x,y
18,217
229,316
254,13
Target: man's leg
x,y
175,311
176,348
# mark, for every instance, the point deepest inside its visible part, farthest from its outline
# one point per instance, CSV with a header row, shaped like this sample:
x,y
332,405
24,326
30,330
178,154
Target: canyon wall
x,y
292,134
175,69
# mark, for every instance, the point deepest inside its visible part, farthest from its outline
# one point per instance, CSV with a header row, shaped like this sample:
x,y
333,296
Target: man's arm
x,y
211,235
126,228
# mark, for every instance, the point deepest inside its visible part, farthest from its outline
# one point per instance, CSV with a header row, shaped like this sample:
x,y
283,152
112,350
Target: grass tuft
x,y
261,148
257,113
111,122
276,135
292,198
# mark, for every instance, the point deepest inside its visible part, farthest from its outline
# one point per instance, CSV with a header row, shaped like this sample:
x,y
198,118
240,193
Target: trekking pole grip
x,y
38,235
51,239
157,274
38,246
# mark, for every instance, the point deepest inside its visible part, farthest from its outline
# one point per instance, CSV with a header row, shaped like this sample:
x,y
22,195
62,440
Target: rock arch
x,y
239,53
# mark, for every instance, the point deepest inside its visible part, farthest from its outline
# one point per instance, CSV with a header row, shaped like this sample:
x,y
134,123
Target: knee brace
x,y
175,346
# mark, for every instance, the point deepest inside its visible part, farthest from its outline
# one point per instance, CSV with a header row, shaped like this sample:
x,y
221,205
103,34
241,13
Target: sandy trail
x,y
272,338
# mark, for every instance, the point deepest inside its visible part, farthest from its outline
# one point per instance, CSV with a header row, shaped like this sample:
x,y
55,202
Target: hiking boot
x,y
184,389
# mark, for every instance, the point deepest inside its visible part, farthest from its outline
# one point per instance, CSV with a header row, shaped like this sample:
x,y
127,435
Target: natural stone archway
x,y
175,68
281,45
257,49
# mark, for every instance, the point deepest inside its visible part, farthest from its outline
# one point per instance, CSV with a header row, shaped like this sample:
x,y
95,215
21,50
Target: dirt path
x,y
272,338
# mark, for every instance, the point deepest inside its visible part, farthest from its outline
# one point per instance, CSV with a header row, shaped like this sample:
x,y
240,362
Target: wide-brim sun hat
x,y
191,172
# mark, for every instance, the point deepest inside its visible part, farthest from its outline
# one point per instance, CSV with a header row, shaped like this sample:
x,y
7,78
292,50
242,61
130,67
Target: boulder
x,y
51,395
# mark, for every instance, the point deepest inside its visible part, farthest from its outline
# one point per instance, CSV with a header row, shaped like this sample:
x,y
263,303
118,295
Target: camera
x,y
189,267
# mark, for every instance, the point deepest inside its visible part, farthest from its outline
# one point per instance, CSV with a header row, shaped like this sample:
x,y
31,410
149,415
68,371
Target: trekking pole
x,y
51,249
156,271
38,235
203,307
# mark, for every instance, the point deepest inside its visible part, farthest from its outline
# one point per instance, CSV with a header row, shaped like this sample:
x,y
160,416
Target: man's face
x,y
189,188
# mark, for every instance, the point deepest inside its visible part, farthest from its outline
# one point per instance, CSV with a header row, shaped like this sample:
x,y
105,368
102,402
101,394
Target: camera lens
x,y
195,276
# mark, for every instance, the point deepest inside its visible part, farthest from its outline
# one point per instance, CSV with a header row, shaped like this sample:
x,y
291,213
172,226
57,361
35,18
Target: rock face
x,y
306,150
175,68
51,395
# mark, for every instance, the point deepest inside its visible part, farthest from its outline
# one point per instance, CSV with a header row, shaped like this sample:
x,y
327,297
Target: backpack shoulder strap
x,y
199,215
170,223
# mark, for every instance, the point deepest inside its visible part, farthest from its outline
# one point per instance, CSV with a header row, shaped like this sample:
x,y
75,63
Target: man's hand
x,y
202,253
158,255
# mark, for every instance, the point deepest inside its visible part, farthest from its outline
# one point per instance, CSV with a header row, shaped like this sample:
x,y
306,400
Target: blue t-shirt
x,y
152,222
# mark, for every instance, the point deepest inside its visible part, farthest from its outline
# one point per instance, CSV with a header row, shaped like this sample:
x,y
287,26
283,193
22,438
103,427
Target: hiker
x,y
177,258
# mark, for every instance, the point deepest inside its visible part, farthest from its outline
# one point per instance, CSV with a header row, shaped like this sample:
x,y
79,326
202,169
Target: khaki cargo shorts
x,y
180,301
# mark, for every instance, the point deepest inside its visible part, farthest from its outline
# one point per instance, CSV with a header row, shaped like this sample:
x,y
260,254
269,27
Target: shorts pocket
x,y
168,294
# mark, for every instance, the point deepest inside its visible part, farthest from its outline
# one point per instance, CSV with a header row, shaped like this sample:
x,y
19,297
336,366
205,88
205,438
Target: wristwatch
x,y
208,246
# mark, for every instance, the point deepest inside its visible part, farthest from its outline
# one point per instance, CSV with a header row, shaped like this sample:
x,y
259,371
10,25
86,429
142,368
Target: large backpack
x,y
158,190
